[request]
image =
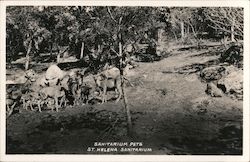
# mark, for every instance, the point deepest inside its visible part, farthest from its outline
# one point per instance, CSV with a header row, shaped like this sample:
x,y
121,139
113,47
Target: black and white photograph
x,y
116,79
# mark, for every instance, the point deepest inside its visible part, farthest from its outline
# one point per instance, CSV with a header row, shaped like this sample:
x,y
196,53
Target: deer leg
x,y
87,99
52,108
10,109
119,89
120,94
31,106
128,82
62,100
74,103
24,104
65,103
39,106
56,100
104,97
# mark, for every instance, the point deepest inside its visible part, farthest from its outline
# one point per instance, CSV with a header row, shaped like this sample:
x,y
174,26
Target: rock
x,y
212,73
19,61
68,59
16,78
54,72
232,55
232,84
230,69
10,82
213,90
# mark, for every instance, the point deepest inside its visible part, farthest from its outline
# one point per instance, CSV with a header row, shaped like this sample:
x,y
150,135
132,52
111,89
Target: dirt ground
x,y
171,114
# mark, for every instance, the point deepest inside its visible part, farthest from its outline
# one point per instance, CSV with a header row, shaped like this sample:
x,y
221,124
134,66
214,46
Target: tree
x,y
105,30
226,19
118,22
32,32
186,19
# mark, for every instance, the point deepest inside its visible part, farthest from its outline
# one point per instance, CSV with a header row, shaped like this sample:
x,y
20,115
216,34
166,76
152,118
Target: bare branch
x,y
110,14
223,18
219,28
120,20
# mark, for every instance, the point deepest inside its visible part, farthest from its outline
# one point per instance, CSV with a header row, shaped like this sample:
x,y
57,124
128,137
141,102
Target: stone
x,y
212,73
232,84
230,69
213,91
54,72
232,55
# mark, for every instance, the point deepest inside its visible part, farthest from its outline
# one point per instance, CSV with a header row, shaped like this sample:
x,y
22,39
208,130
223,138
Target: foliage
x,y
223,18
102,28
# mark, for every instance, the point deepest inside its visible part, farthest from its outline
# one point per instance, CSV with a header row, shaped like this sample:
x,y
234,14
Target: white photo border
x,y
171,3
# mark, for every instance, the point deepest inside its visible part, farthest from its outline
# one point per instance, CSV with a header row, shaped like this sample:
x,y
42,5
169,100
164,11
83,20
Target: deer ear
x,y
58,82
103,75
47,84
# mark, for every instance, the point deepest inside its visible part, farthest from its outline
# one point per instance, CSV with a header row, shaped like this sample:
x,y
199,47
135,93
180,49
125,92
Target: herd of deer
x,y
57,88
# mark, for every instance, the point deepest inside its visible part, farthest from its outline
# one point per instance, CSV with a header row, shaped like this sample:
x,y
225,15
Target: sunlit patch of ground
x,y
170,112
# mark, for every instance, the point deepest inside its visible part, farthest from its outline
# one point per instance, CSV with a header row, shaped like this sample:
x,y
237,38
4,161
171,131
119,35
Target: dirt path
x,y
180,118
170,111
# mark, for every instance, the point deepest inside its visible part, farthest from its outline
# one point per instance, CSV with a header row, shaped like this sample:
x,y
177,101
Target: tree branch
x,y
110,14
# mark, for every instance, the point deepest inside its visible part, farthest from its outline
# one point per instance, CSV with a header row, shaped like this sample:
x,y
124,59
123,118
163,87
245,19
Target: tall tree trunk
x,y
51,48
232,30
175,36
82,49
224,41
159,35
98,48
182,30
27,62
28,55
125,100
58,58
193,30
119,36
